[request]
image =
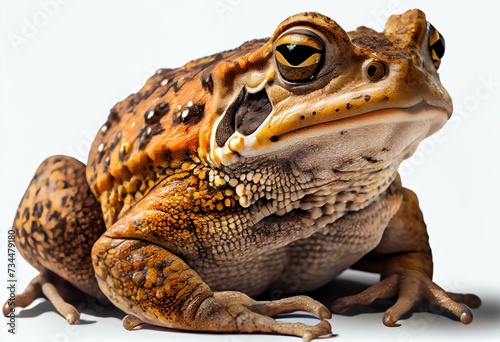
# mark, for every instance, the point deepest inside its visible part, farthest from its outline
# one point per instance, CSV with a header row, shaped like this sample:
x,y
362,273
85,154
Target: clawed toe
x,y
321,330
411,288
471,300
130,322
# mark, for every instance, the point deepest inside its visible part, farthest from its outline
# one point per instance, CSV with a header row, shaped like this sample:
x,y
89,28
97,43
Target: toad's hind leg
x,y
155,286
57,222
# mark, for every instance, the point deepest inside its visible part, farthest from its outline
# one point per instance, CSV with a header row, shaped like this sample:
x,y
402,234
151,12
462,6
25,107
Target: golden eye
x,y
376,70
298,56
436,46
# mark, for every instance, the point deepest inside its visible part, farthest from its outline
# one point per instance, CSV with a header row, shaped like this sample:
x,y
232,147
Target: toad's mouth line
x,y
361,130
391,115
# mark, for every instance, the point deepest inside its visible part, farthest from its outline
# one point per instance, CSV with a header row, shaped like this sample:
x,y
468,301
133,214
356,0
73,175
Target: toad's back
x,y
151,133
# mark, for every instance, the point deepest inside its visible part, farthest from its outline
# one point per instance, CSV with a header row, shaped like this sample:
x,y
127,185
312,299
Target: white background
x,y
62,68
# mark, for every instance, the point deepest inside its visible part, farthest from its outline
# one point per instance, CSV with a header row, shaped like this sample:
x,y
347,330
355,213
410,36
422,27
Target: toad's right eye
x,y
299,56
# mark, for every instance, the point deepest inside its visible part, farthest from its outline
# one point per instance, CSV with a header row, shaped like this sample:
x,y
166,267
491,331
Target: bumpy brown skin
x,y
201,214
56,225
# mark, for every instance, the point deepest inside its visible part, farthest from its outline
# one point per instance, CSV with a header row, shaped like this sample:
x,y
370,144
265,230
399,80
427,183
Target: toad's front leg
x,y
403,259
155,286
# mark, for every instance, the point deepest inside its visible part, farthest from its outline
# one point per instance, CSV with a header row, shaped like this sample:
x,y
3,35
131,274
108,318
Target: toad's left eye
x,y
436,46
298,56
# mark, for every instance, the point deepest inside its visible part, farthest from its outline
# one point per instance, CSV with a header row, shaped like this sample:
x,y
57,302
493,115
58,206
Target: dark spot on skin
x,y
313,113
48,204
162,108
357,97
349,204
343,132
139,278
162,73
370,159
337,109
55,215
26,213
121,155
152,117
37,210
113,115
132,102
101,154
178,83
274,138
192,116
375,43
167,155
144,95
112,145
147,133
302,117
184,115
367,98
385,149
64,200
34,226
206,80
348,106
162,264
105,128
106,165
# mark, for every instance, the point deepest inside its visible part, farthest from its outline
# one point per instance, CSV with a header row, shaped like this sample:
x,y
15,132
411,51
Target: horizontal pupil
x,y
296,54
438,48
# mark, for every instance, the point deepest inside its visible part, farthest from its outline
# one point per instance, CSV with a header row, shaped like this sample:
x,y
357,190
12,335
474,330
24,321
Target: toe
x,y
471,300
321,330
466,316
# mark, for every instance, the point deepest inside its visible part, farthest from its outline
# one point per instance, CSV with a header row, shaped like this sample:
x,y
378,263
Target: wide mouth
x,y
395,128
433,117
348,121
